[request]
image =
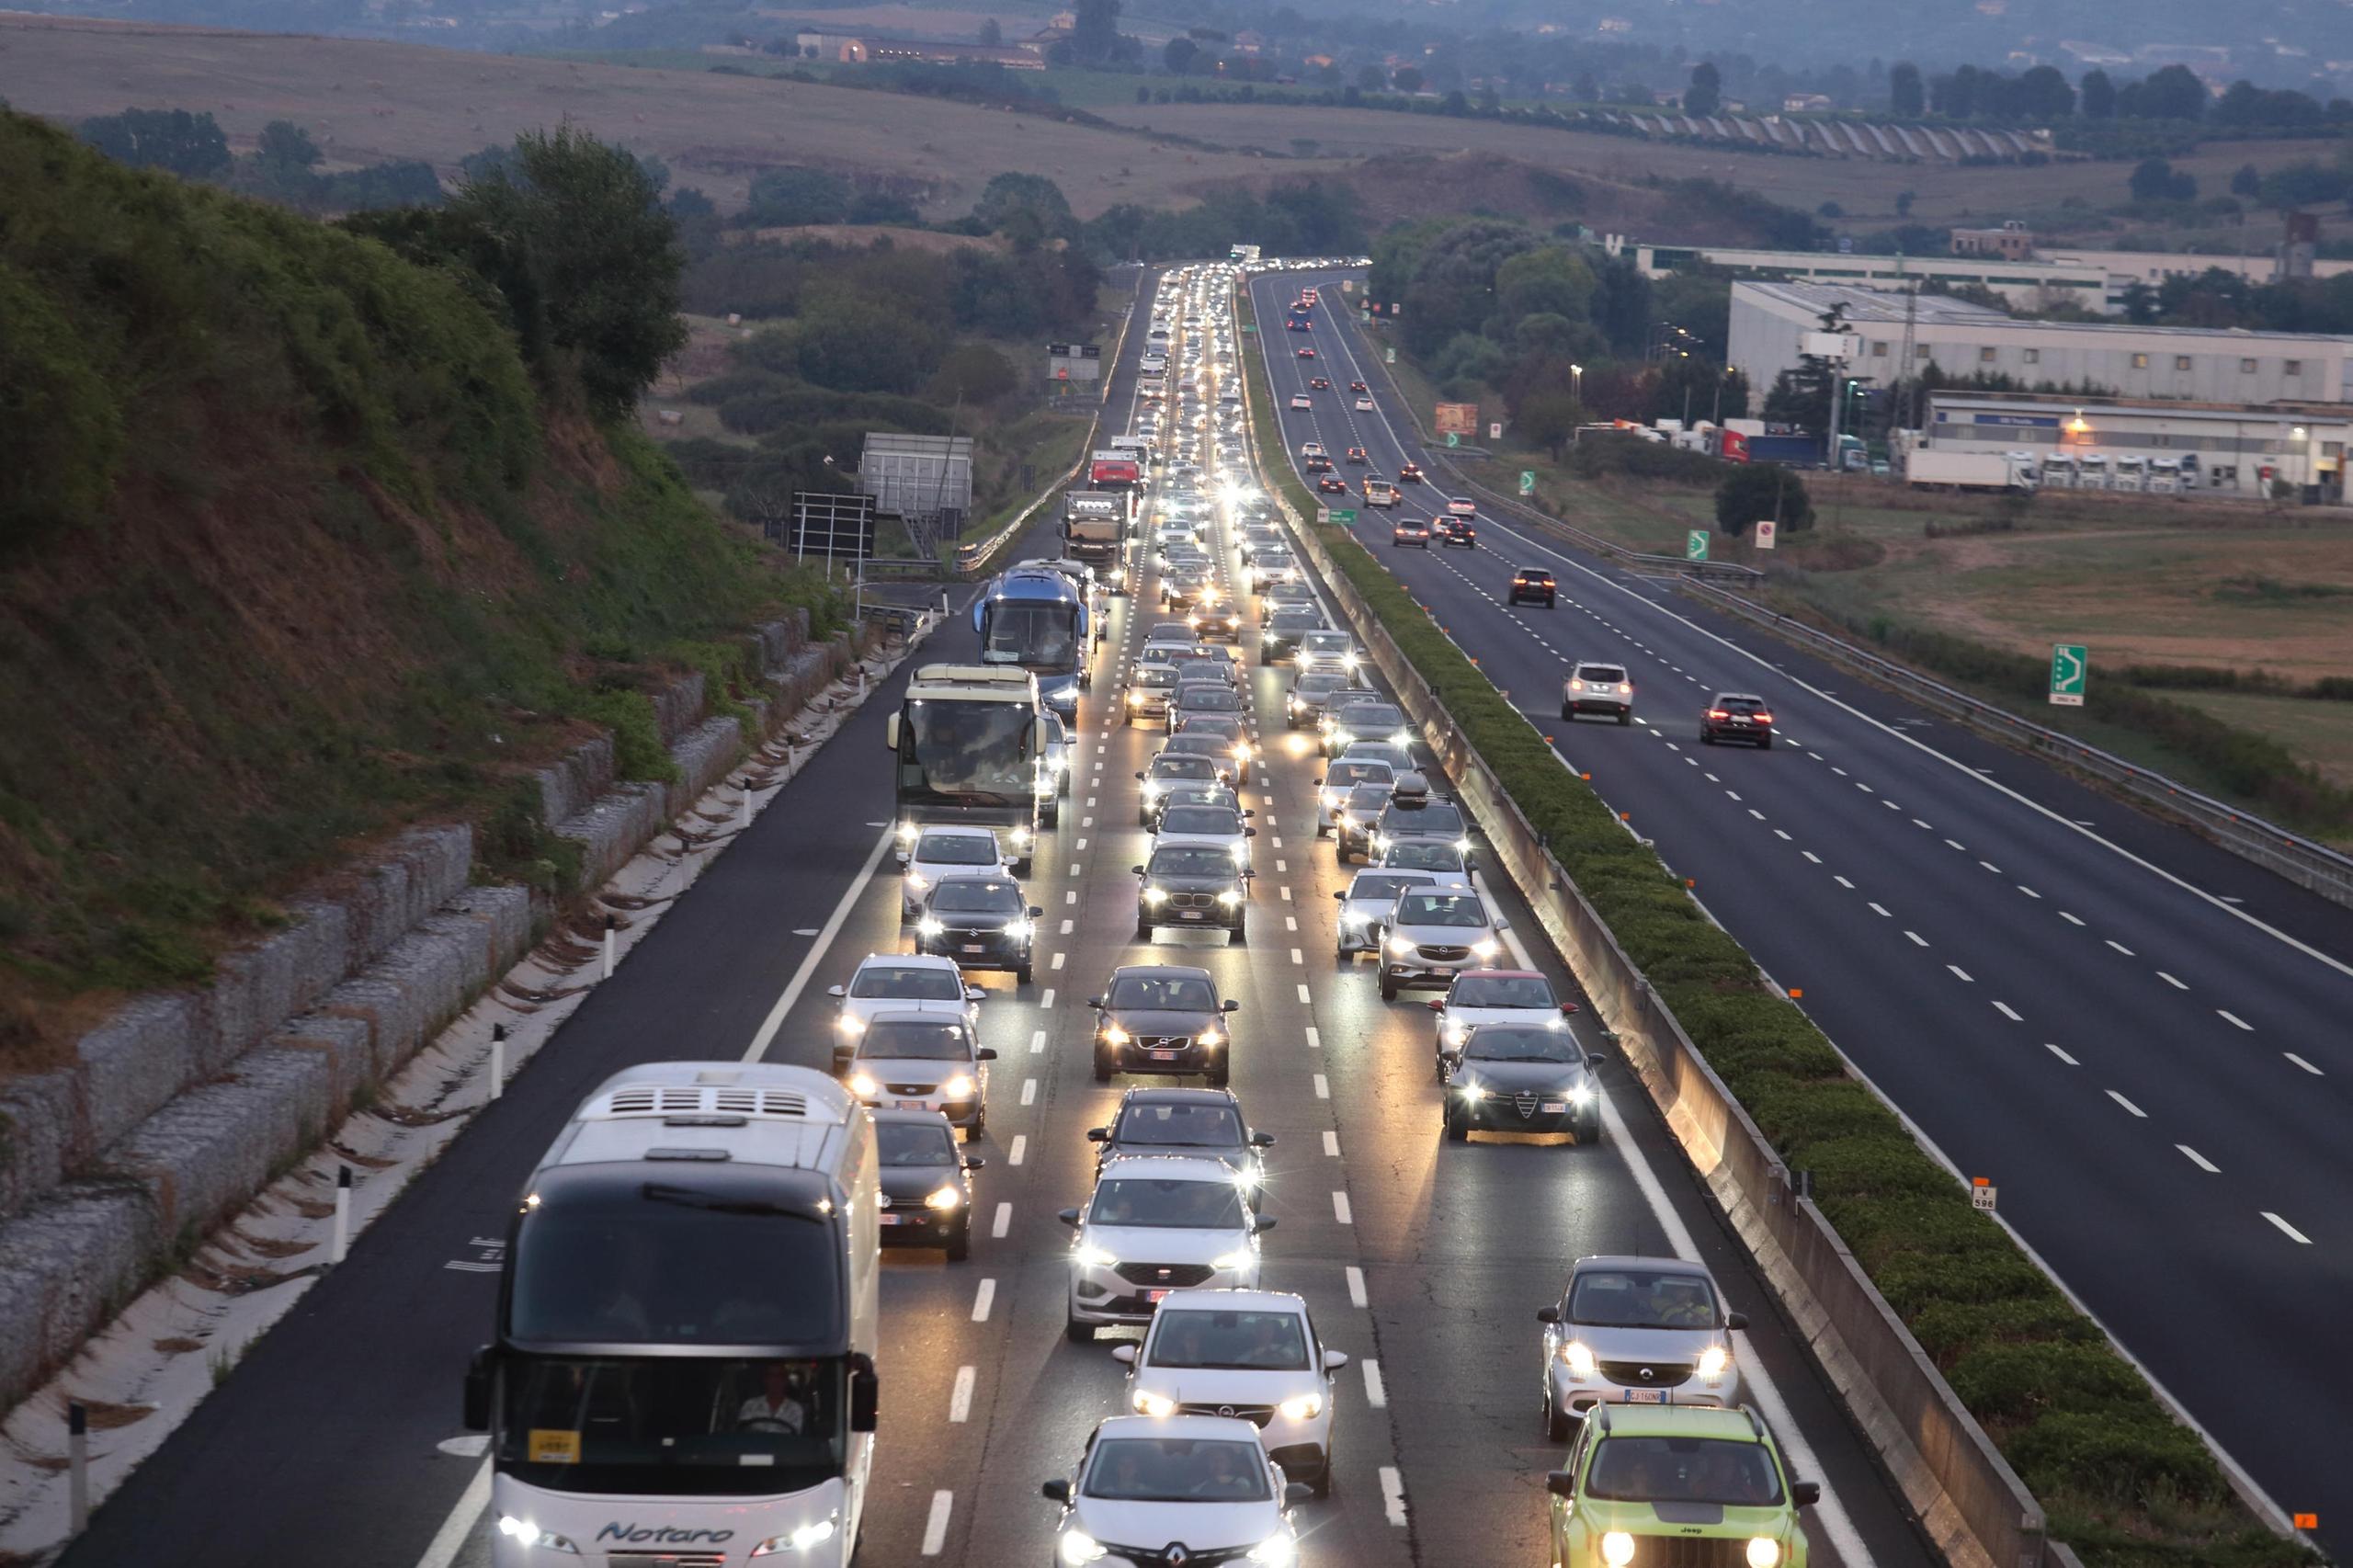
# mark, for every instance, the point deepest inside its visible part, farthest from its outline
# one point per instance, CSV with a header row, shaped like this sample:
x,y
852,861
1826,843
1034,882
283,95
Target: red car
x,y
1410,474
1321,383
1308,353
1332,484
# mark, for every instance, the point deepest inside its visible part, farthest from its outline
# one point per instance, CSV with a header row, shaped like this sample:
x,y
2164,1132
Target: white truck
x,y
1926,469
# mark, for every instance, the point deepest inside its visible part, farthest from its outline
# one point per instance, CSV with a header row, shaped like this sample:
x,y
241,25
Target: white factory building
x,y
2232,449
1773,323
2031,285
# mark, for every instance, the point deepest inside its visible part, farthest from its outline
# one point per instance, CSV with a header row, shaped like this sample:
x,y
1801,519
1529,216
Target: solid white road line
x,y
1357,1297
982,1300
935,1529
959,1398
817,950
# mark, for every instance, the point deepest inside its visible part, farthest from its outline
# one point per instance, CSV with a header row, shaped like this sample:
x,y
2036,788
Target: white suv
x,y
1156,1224
1434,934
1251,1354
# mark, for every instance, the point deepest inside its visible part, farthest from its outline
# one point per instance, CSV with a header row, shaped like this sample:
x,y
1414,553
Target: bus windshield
x,y
670,1426
972,751
1036,634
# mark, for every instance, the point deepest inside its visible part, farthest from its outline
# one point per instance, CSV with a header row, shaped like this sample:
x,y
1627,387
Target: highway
x,y
336,1437
2140,1040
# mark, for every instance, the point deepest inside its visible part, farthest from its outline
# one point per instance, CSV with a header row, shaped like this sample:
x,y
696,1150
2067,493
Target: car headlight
x,y
1151,788
1229,897
1208,1039
1582,1095
1379,843
1455,1033
1763,1551
1092,1256
1018,929
1713,1360
1134,698
1475,1091
1463,846
1486,947
527,1534
959,1087
1077,1547
1147,1403
1347,819
915,882
1242,751
907,832
1242,1259
1114,1034
943,1198
1578,1357
808,1538
1616,1549
1356,920
1274,1552
1020,837
1155,896
1400,738
1401,948
1301,1408
1340,737
1348,660
863,1085
927,927
850,1024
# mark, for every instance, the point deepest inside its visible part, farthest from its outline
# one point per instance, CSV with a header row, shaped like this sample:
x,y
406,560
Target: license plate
x,y
971,946
912,1105
1152,1298
1189,914
1554,1108
892,1219
1166,1055
1644,1396
1740,721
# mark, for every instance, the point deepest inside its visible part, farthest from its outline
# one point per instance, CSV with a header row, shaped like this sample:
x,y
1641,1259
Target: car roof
x,y
1736,697
916,961
1167,1167
1506,975
1738,1426
1605,664
1156,1093
1224,1297
1159,970
914,1016
893,1113
1232,1428
956,830
1390,871
1653,1263
1534,570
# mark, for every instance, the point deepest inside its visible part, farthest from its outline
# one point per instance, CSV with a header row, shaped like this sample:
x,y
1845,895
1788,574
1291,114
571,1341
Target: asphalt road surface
x,y
2140,1040
1424,1261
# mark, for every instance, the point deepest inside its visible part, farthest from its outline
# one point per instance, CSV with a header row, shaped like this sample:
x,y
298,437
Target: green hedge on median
x,y
2122,1483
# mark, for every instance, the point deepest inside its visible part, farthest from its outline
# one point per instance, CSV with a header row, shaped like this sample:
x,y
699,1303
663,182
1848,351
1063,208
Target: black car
x,y
1353,826
1402,820
1206,1123
1737,716
1455,531
1168,769
1232,735
1192,884
1534,584
1409,530
1365,719
1522,1078
1203,744
1162,1019
1284,629
926,1180
1310,693
980,922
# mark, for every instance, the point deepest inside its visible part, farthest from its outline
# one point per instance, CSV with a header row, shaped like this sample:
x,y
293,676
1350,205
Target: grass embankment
x,y
2121,1482
294,550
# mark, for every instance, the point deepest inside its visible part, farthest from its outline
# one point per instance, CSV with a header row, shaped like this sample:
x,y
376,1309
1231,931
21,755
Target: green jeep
x,y
1676,1486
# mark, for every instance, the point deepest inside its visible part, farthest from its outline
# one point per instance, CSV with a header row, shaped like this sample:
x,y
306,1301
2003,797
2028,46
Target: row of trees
x,y
2043,95
283,169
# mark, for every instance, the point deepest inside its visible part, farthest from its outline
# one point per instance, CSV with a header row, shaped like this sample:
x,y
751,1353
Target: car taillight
x,y
1576,685
1764,718
1717,713
1625,691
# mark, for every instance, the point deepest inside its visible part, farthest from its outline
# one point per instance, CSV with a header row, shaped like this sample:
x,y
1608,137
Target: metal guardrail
x,y
2308,864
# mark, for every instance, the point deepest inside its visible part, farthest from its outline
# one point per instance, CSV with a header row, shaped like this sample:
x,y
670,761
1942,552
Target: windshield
x,y
1036,634
1642,1298
1327,641
1209,696
1606,674
965,896
1423,855
1739,704
674,1263
1155,674
1346,775
1192,861
1168,1203
1229,1341
1512,1042
1441,909
670,1426
1502,991
1224,728
909,1039
1200,819
1435,820
1370,716
1322,684
1166,992
1202,795
958,849
1198,768
1383,888
1683,1470
1184,1125
1298,621
909,981
1177,1469
1367,799
972,751
917,1143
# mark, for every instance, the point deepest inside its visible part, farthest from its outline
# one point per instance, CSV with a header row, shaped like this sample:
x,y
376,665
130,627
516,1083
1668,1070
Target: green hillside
x,y
301,542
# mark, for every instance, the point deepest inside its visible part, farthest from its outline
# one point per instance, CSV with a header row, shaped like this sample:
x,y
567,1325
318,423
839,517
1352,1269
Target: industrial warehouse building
x,y
2234,451
1772,324
2031,285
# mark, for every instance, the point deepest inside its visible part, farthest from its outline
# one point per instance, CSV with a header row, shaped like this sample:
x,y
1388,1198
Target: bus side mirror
x,y
480,1373
865,1394
890,732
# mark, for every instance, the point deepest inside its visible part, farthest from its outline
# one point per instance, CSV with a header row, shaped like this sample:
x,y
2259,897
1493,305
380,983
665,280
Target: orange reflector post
x,y
1981,1181
1586,777
1690,883
1623,817
1796,991
2307,1521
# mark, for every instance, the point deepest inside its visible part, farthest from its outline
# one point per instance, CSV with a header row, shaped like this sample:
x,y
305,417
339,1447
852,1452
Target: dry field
x,y
1865,188
366,102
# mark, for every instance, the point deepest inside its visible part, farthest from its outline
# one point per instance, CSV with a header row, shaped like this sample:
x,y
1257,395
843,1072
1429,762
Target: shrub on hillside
x,y
1752,493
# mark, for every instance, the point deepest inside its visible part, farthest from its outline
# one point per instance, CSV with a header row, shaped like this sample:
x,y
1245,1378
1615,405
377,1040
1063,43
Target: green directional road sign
x,y
1528,481
2070,663
1344,515
1453,438
1247,327
1390,357
1694,544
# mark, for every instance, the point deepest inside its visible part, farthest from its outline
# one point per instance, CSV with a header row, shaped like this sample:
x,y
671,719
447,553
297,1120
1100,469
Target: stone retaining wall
x,y
181,1106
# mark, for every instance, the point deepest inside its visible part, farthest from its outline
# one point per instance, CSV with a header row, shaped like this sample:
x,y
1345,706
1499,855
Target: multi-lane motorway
x,y
2141,1040
337,1439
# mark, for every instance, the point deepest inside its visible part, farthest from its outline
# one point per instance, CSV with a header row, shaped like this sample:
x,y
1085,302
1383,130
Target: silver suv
x,y
1636,1331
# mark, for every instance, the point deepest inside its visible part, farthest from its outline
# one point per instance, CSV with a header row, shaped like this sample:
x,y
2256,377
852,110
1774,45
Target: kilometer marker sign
x,y
2070,663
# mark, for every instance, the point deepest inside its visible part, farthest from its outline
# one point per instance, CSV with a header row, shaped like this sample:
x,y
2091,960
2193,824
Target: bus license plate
x,y
892,1219
1645,1396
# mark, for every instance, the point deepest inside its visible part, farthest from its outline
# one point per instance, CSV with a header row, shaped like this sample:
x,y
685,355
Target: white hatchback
x,y
1250,1354
899,983
948,851
1171,1483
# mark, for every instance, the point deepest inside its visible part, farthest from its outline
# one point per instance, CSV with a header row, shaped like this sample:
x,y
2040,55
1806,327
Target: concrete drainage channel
x,y
226,1140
